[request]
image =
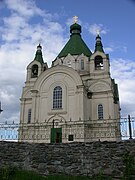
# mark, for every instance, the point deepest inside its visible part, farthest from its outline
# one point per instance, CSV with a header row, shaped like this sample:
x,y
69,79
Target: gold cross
x,y
97,31
75,18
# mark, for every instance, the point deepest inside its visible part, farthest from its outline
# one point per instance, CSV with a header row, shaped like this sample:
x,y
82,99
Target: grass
x,y
15,174
9,173
66,178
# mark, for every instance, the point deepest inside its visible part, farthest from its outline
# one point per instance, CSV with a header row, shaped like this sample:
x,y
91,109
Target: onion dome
x,y
75,45
38,55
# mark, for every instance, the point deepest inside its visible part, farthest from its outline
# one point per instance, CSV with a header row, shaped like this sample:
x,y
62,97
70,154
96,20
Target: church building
x,y
75,100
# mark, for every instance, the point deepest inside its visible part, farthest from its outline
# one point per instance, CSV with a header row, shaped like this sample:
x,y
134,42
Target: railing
x,y
9,131
127,126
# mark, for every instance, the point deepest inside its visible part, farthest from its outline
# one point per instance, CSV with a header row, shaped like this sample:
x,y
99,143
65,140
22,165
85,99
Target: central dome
x,y
75,45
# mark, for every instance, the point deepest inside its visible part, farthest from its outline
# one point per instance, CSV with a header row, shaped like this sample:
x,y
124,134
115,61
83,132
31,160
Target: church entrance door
x,y
56,135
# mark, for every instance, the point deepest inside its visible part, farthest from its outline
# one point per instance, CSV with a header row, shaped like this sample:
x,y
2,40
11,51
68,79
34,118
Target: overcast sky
x,y
25,23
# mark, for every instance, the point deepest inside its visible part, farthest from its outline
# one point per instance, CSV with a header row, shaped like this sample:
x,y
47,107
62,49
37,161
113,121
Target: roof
x,y
38,55
75,45
98,45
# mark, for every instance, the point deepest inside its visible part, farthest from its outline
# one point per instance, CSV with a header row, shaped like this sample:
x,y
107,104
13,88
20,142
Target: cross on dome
x,y
75,18
97,31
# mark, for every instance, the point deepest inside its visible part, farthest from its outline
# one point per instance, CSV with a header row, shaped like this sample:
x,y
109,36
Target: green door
x,y
56,135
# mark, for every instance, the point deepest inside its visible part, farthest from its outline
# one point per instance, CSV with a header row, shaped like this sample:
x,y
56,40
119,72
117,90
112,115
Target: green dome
x,y
75,27
75,45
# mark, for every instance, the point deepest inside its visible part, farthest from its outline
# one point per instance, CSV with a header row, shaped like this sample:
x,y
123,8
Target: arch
x,y
97,53
58,118
55,70
99,86
34,71
27,94
98,62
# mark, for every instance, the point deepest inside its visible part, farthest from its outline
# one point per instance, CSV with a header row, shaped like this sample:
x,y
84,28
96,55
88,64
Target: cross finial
x,y
75,18
97,31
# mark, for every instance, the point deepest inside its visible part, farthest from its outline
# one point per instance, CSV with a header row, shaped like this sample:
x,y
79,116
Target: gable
x,y
58,74
100,87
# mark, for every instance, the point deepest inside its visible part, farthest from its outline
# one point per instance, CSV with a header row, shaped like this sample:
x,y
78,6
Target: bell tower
x,y
104,99
99,61
37,66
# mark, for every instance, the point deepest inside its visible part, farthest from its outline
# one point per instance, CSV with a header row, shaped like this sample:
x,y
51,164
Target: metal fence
x,y
127,126
9,130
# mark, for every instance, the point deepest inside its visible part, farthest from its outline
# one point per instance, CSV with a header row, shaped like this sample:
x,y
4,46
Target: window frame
x,y
99,65
29,116
70,137
57,97
100,112
33,69
82,64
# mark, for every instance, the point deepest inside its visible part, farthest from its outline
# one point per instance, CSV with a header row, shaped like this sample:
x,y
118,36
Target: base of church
x,y
71,132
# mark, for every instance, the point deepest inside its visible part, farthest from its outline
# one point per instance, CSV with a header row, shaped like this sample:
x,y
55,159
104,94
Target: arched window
x,y
82,64
34,71
57,97
99,63
100,111
29,116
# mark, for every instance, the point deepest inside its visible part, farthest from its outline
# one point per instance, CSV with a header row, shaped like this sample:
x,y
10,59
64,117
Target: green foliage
x,y
15,174
100,176
129,165
6,173
62,177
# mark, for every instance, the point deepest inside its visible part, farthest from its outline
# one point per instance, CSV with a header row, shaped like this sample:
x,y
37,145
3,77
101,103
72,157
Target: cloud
x,y
94,27
117,47
19,38
24,8
108,49
123,71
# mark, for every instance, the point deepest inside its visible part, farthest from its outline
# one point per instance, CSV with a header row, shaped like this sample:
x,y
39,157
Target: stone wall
x,y
72,159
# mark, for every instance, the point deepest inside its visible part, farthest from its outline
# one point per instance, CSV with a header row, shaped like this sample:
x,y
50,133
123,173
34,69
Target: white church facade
x,y
75,100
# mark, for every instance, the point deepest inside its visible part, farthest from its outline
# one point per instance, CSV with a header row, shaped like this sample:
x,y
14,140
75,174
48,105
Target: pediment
x,y
99,87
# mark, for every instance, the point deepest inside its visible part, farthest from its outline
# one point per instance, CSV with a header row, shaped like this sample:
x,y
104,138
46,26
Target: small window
x,y
57,98
100,111
98,63
29,116
70,137
82,64
34,71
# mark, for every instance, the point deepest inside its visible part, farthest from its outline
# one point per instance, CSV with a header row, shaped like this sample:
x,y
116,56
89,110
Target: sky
x,y
26,23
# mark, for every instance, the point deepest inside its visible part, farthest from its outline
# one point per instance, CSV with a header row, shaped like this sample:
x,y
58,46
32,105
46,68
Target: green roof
x,y
75,45
99,46
38,56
